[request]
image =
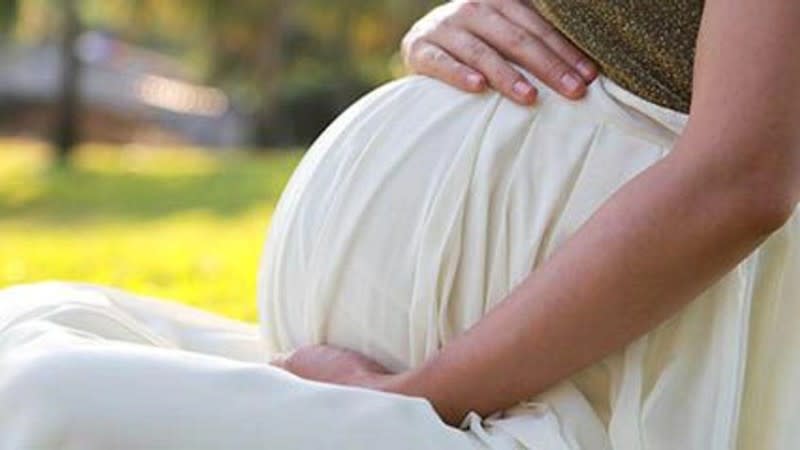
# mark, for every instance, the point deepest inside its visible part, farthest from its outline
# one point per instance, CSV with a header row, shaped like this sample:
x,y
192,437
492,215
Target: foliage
x,y
8,12
185,224
260,51
181,224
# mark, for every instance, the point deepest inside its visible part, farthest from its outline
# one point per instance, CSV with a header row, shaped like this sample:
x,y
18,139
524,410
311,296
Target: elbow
x,y
766,194
770,213
757,185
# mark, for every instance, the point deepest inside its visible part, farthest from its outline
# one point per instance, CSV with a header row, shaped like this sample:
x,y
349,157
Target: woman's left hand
x,y
471,43
336,365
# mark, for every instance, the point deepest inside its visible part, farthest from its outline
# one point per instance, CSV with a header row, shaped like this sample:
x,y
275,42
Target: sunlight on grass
x,y
181,224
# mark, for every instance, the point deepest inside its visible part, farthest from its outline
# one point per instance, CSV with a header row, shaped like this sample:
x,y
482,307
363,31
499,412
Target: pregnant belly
x,y
421,207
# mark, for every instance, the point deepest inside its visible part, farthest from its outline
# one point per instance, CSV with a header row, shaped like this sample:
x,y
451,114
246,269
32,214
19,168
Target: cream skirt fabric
x,y
416,211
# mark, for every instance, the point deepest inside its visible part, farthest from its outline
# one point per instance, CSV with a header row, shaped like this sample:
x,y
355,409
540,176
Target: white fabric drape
x,y
91,368
418,210
422,207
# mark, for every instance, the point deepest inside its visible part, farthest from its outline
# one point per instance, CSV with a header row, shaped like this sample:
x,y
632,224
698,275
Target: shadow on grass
x,y
78,195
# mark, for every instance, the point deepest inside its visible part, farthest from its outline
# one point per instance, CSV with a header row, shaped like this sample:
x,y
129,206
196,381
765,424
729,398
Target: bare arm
x,y
732,179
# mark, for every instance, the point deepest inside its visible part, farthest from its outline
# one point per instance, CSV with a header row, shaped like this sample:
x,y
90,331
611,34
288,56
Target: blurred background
x,y
144,143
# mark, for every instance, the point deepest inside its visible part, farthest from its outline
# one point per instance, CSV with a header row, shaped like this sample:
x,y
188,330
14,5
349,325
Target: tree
x,y
291,66
8,13
66,129
65,132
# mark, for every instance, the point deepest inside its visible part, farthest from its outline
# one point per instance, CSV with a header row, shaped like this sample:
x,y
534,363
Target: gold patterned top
x,y
646,47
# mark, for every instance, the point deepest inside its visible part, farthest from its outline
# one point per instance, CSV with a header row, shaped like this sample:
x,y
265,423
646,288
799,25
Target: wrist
x,y
418,383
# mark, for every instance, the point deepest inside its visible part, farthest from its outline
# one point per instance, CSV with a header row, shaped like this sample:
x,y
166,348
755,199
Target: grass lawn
x,y
179,224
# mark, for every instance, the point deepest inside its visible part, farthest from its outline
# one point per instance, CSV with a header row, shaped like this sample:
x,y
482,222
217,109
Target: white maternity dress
x,y
415,212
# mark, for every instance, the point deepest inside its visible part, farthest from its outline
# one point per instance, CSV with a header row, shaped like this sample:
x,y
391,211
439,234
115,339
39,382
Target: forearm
x,y
648,251
663,238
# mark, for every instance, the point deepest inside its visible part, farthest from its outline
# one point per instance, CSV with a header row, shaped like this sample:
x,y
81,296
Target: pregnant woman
x,y
583,263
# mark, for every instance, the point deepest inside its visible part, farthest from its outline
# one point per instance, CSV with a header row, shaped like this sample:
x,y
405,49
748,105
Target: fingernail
x,y
523,89
475,80
571,82
587,69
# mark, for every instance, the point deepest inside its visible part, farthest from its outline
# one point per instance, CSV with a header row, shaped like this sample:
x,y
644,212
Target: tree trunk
x,y
66,133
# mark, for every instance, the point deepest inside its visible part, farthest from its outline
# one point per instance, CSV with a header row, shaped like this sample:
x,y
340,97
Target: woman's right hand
x,y
470,44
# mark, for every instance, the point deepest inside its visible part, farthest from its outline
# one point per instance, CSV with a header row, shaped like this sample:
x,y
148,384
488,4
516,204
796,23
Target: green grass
x,y
180,224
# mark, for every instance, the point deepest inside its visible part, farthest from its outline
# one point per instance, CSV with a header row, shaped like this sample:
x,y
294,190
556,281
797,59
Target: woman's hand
x,y
471,43
336,365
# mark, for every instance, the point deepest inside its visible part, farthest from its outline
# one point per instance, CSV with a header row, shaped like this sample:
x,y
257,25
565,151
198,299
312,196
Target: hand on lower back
x,y
471,44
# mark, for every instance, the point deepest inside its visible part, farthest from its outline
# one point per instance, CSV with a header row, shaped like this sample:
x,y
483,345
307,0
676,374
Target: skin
x,y
468,44
732,179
